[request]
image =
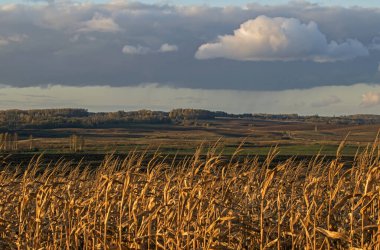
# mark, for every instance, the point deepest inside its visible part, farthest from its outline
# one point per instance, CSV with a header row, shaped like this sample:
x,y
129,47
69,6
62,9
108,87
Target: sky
x,y
345,3
306,57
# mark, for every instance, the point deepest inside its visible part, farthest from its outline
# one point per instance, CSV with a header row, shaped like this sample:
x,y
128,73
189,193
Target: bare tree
x,y
31,143
76,143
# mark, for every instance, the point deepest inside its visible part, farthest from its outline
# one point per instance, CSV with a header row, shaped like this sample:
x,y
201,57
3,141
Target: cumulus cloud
x,y
142,50
87,38
168,48
136,50
16,38
330,100
280,39
370,99
99,23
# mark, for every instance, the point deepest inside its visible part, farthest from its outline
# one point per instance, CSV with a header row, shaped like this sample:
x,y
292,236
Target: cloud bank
x,y
280,39
124,43
340,100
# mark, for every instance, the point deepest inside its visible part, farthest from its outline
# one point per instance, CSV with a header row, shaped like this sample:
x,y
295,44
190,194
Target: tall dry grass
x,y
196,203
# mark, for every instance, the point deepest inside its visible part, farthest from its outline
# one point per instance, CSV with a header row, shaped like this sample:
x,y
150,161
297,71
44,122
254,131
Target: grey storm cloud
x,y
129,43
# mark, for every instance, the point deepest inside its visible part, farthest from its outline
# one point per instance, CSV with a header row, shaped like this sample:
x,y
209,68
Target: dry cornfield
x,y
143,202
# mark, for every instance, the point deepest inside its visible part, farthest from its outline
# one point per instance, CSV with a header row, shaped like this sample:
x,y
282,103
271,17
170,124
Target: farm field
x,y
256,137
143,202
219,184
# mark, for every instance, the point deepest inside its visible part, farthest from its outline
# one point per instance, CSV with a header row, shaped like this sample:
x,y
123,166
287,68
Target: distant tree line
x,y
358,119
12,120
8,141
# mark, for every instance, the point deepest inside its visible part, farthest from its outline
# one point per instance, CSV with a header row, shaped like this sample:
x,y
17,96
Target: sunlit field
x,y
144,202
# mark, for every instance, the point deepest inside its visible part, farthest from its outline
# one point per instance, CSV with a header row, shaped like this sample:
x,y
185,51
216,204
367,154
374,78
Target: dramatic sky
x,y
317,57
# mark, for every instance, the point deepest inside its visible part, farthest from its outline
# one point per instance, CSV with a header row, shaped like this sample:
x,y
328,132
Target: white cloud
x,y
16,38
99,23
168,48
136,50
8,7
370,99
280,39
96,58
142,50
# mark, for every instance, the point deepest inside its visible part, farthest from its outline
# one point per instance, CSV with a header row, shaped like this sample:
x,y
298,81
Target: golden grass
x,y
197,203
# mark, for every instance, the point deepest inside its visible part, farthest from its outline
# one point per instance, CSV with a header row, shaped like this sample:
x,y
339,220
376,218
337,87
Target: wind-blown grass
x,y
197,203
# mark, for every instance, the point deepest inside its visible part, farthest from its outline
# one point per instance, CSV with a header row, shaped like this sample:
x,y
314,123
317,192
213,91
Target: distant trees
x,y
350,119
8,141
13,120
195,114
76,143
276,116
190,114
76,118
31,143
16,119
